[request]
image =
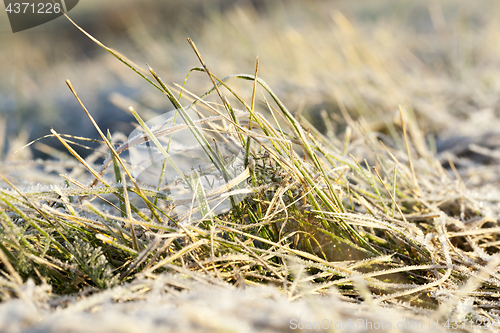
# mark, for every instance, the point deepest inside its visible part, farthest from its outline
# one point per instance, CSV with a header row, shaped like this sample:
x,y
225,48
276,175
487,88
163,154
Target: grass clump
x,y
374,215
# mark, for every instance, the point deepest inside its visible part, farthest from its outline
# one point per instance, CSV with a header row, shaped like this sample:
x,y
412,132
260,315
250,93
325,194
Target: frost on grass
x,y
364,225
325,230
92,263
176,303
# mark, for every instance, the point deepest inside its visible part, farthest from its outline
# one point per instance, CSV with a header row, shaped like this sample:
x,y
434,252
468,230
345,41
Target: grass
x,y
375,216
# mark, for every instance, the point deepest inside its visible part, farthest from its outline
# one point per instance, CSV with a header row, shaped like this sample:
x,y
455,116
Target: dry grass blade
x,y
113,151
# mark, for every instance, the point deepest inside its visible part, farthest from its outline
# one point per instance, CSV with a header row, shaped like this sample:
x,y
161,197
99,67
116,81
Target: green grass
x,y
381,221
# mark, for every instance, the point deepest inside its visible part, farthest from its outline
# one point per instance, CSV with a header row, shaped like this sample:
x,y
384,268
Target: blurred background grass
x,y
440,58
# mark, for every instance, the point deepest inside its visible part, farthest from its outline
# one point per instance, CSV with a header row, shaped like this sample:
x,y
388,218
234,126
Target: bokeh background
x,y
439,59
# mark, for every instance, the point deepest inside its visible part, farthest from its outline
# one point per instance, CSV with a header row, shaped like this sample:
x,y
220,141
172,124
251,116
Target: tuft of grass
x,y
379,221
